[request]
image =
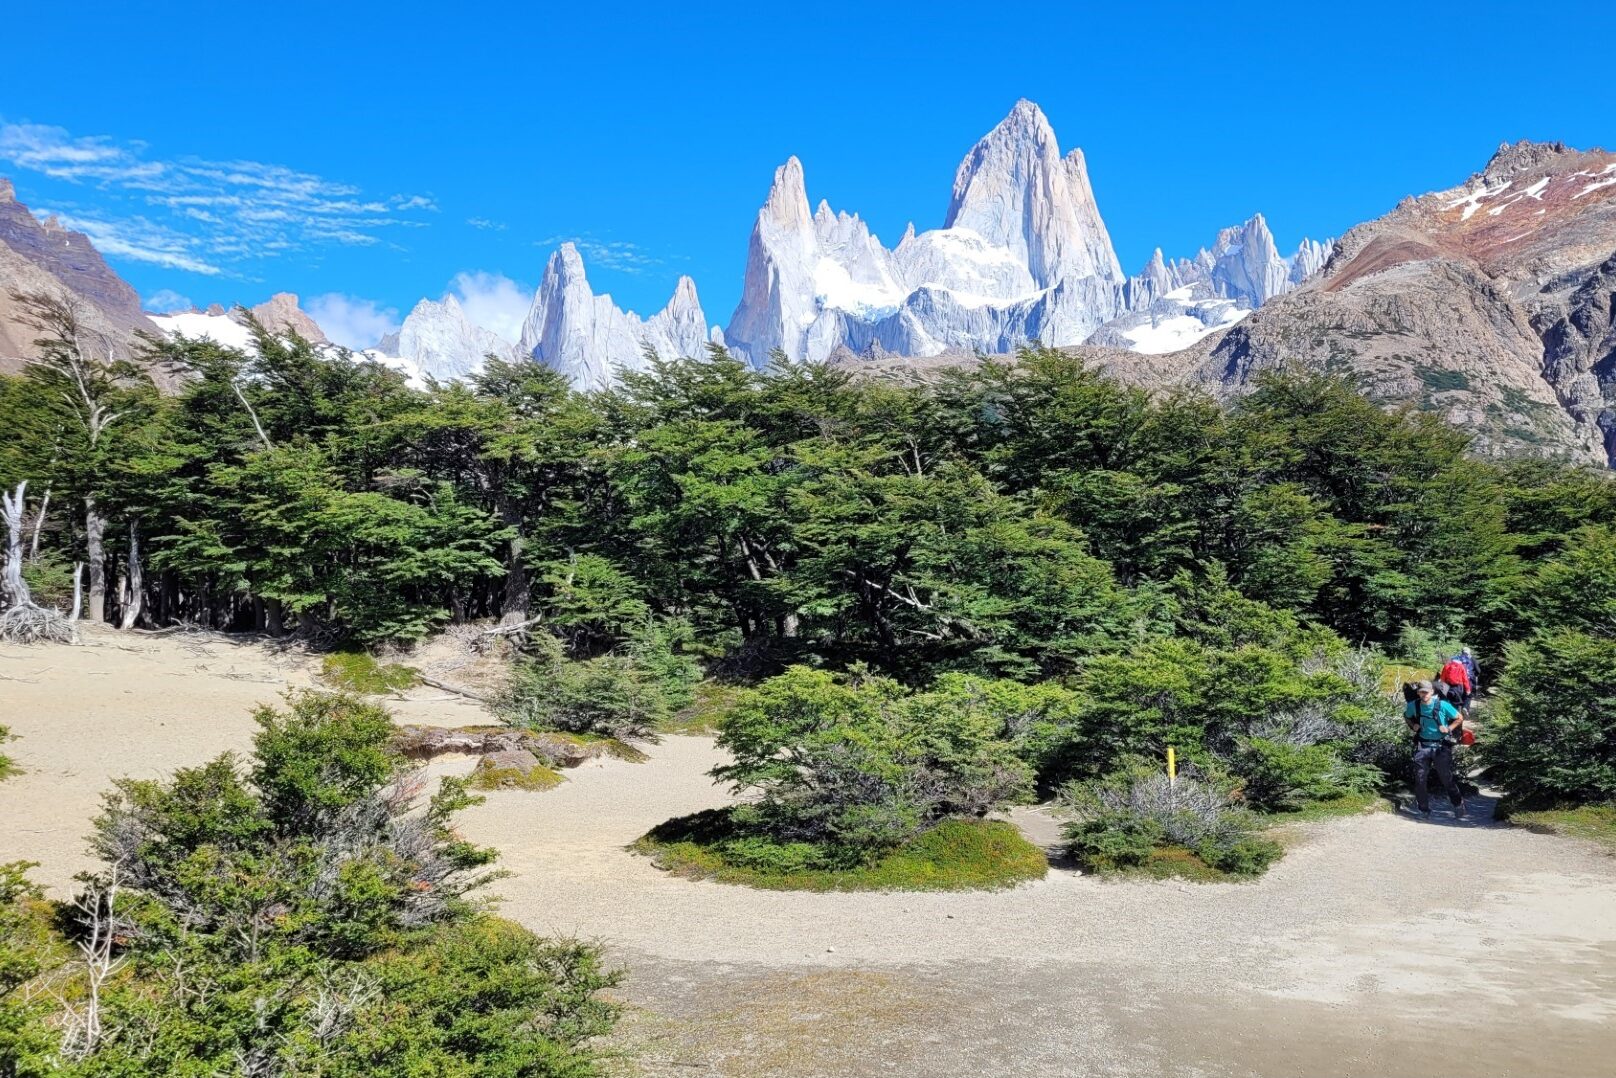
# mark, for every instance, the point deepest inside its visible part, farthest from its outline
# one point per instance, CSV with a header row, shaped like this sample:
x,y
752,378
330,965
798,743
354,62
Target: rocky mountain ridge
x,y
45,256
1490,303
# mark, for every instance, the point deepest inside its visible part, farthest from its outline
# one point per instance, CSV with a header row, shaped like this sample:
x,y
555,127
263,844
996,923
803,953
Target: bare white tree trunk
x,y
39,525
78,591
15,590
97,910
137,583
95,526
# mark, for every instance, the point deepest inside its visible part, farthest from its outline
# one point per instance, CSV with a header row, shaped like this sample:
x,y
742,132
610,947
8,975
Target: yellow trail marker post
x,y
1172,767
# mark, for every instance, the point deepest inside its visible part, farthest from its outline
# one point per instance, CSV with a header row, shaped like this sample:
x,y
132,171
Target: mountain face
x,y
588,339
1490,303
281,314
1022,254
1170,306
438,341
42,256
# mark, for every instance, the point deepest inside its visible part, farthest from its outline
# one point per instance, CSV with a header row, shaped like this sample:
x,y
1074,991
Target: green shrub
x,y
1124,820
861,762
308,917
1113,841
1552,738
50,579
1248,856
27,1043
623,695
1281,777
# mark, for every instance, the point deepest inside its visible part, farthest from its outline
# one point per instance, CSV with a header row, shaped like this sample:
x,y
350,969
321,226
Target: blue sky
x,y
372,154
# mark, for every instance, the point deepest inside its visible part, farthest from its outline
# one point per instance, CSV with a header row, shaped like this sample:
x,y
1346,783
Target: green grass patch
x,y
1355,804
956,855
712,701
515,778
1595,823
360,671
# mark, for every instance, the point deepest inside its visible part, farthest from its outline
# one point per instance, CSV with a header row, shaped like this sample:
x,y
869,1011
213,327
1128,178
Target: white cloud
x,y
351,321
620,255
493,301
141,240
485,224
220,210
167,301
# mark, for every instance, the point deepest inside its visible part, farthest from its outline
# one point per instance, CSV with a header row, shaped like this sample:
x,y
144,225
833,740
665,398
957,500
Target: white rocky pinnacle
x,y
1023,255
588,339
440,342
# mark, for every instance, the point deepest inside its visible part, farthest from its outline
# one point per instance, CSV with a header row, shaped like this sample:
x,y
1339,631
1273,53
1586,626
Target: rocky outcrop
x,y
43,256
280,314
590,340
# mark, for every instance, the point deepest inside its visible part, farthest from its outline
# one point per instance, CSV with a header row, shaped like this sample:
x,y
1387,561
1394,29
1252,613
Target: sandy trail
x,y
1379,945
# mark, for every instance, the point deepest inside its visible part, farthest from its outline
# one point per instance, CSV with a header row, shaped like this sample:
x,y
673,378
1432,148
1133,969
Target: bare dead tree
x,y
84,1028
135,583
23,620
77,362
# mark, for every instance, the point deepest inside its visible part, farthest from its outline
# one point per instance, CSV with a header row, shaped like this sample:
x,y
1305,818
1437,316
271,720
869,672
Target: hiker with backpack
x,y
1437,727
1455,683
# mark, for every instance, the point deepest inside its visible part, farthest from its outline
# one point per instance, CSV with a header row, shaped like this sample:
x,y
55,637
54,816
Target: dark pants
x,y
1440,757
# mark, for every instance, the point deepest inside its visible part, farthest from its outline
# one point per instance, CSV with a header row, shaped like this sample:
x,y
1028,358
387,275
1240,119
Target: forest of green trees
x,y
1013,581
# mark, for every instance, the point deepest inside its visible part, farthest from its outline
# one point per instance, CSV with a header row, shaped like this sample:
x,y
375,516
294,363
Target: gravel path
x,y
1379,945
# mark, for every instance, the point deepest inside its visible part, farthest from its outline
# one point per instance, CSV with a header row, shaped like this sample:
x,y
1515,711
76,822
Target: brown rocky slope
x,y
1490,303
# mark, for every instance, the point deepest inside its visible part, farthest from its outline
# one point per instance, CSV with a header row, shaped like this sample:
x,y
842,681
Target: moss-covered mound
x,y
956,855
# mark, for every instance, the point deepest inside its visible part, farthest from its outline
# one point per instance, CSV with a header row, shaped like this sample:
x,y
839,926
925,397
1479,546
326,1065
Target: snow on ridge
x,y
1178,331
228,333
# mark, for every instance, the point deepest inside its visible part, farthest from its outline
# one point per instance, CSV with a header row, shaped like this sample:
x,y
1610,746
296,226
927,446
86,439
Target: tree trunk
x,y
39,524
78,591
513,607
95,526
274,624
15,590
137,579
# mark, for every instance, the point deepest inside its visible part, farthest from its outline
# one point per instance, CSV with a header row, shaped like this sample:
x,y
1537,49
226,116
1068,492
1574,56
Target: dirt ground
x,y
1380,945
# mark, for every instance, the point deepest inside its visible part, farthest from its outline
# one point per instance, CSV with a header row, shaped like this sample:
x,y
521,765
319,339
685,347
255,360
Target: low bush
x,y
1277,776
1123,821
303,914
626,695
860,762
28,947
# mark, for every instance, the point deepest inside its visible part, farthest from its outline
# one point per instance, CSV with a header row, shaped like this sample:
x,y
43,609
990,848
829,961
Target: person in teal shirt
x,y
1435,724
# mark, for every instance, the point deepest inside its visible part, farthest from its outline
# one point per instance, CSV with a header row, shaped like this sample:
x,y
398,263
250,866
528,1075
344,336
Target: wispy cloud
x,y
194,214
493,301
351,321
485,224
166,301
141,240
617,255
